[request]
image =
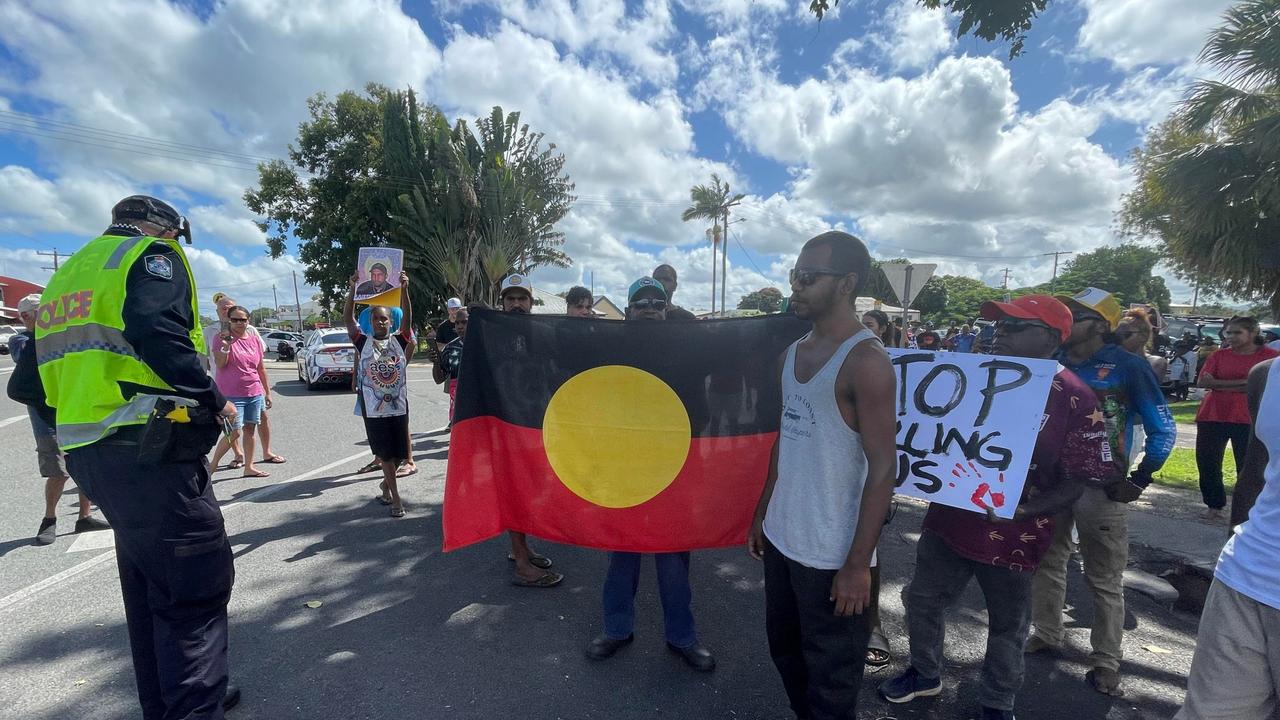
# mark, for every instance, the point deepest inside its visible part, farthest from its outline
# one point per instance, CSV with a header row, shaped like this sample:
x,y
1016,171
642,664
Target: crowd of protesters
x,y
1106,430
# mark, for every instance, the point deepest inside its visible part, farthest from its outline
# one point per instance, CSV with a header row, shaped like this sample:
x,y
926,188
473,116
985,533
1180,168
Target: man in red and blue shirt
x,y
956,545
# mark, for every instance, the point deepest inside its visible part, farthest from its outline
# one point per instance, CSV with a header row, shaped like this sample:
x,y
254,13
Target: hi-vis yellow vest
x,y
80,344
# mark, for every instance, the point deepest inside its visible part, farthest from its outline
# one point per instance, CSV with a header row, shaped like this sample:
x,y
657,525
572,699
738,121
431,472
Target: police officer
x,y
117,334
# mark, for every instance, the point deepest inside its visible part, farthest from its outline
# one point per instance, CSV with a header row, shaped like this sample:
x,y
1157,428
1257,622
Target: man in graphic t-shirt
x,y
957,545
1128,394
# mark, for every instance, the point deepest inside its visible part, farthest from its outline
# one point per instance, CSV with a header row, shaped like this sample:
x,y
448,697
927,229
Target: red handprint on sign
x,y
968,471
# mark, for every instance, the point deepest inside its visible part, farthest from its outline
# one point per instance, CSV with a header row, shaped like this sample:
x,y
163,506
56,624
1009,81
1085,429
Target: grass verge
x,y
1180,471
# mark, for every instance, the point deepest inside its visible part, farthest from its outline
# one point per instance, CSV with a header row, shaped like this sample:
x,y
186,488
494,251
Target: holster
x,y
177,432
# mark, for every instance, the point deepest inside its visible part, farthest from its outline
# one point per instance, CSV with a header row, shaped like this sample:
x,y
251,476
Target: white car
x,y
326,357
273,339
6,334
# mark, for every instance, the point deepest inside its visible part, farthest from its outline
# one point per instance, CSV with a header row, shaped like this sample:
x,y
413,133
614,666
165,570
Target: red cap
x,y
1049,310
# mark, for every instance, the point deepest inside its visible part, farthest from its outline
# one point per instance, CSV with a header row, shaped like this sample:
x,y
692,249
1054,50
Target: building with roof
x,y
11,291
605,309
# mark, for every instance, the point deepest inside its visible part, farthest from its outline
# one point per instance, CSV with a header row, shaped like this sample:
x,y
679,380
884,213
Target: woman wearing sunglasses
x,y
242,378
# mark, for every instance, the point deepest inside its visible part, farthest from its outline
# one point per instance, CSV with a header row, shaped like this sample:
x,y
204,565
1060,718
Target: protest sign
x,y
967,425
378,271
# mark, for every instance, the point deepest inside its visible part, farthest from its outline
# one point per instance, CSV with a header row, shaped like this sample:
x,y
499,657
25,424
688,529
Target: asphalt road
x,y
406,631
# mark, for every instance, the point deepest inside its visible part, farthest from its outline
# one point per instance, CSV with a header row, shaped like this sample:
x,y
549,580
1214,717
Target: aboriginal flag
x,y
644,436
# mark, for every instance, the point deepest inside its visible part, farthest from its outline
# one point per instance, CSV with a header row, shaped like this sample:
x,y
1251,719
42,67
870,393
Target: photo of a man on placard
x,y
377,282
377,269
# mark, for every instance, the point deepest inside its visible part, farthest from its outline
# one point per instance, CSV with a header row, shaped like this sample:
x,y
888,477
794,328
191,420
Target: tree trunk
x,y
1275,303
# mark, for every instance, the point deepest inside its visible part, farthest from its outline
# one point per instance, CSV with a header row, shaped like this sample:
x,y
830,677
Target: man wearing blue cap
x,y
647,300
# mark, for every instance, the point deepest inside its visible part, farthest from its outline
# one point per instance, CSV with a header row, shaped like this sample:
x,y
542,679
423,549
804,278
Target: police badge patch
x,y
160,266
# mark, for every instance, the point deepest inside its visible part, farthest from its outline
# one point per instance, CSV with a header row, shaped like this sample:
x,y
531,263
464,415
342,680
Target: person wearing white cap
x,y
445,332
532,569
25,387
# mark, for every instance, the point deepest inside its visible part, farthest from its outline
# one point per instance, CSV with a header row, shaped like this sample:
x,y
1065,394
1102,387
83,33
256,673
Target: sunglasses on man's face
x,y
657,305
1083,315
1011,326
807,277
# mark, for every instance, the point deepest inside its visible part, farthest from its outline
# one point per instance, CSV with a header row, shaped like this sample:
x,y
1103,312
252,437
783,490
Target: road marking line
x,y
100,540
36,588
9,421
32,590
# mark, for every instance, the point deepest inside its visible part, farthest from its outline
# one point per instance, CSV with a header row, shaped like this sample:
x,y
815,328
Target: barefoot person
x,y
382,361
242,378
830,481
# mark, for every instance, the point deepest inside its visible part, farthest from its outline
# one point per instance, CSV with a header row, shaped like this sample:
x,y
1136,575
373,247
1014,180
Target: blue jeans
x,y
620,585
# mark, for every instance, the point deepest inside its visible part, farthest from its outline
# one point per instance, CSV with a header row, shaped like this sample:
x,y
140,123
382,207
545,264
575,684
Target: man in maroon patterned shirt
x,y
956,545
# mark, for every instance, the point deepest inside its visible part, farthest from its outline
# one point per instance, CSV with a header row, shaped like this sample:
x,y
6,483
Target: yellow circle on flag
x,y
616,436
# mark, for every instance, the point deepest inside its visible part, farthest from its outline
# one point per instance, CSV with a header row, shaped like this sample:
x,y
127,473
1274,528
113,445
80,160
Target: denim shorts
x,y
248,410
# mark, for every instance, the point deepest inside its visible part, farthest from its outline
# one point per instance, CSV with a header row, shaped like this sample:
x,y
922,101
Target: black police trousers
x,y
176,574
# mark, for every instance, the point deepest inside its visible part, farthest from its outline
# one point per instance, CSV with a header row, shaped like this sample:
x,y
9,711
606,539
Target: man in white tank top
x,y
830,481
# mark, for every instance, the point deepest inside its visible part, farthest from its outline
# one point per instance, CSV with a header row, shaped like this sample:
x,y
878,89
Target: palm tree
x,y
713,203
1208,184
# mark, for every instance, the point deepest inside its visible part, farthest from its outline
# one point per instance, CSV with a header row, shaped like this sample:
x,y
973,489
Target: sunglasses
x,y
1010,326
1082,315
805,278
649,304
238,320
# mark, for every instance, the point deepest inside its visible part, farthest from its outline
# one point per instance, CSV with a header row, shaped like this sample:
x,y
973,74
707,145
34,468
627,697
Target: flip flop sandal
x,y
258,474
383,499
542,562
406,471
397,511
275,460
545,580
235,464
878,650
375,465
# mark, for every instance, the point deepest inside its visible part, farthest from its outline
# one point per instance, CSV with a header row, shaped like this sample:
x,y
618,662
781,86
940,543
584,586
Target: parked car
x,y
274,338
327,357
6,333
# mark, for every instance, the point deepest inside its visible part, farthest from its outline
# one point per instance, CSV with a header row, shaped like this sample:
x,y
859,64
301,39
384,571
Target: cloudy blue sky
x,y
877,120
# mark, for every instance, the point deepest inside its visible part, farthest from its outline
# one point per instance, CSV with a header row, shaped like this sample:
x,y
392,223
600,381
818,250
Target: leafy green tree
x,y
964,298
713,202
1216,310
1207,184
1124,270
932,298
378,169
256,317
766,300
328,194
1007,20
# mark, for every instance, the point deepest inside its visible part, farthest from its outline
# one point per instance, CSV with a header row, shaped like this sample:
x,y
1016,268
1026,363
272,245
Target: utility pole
x,y
724,258
1053,284
275,310
714,234
1006,272
296,300
1195,301
56,257
593,287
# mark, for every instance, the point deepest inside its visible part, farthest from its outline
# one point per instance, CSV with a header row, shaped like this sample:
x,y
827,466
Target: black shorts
x,y
389,437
